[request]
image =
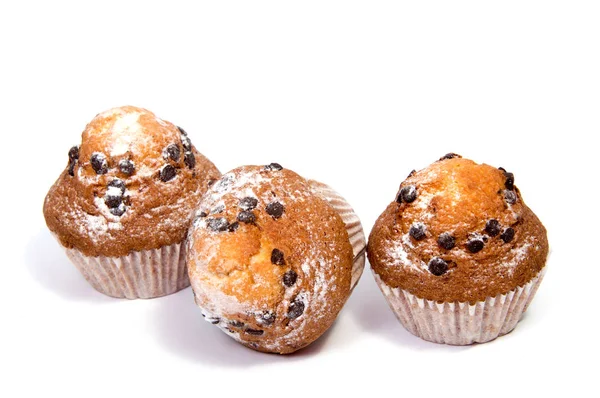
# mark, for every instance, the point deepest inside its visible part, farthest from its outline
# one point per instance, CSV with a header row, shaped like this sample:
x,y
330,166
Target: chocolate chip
x,y
217,210
74,153
412,173
275,210
446,241
113,201
255,332
114,196
218,224
289,278
126,167
492,227
214,321
295,309
189,159
248,203
186,142
407,194
118,211
273,167
167,173
267,318
450,156
246,217
508,235
437,266
277,257
233,226
116,183
510,178
202,214
99,163
510,197
475,245
236,324
182,131
173,152
417,231
72,163
510,181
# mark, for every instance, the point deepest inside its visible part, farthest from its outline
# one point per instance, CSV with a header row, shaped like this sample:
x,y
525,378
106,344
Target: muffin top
x,y
458,231
269,259
132,185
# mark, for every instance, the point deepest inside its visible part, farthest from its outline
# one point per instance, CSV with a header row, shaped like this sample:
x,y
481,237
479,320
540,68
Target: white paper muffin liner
x,y
459,323
140,274
353,227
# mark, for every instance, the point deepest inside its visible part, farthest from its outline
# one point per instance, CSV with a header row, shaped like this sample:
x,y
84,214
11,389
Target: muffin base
x,y
458,323
140,274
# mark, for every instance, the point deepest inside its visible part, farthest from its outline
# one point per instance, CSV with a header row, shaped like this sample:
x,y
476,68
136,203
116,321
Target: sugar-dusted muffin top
x,y
132,185
269,259
458,231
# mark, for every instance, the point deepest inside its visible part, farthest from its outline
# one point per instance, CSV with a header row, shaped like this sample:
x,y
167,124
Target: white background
x,y
355,94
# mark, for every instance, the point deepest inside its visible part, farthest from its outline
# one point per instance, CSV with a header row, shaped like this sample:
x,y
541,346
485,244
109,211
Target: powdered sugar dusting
x,y
518,254
113,191
316,278
243,184
128,129
400,256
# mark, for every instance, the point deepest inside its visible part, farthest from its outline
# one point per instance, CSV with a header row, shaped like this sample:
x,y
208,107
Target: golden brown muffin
x,y
131,186
457,232
270,259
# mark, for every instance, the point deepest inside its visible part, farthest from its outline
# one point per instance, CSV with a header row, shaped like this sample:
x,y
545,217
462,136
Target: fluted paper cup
x,y
140,274
353,226
458,323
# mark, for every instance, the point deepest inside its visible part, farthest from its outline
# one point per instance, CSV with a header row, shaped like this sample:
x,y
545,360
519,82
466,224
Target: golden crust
x,y
235,280
458,197
156,213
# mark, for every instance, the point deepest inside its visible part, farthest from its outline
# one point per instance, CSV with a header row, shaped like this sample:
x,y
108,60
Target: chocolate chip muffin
x,y
273,257
123,204
458,254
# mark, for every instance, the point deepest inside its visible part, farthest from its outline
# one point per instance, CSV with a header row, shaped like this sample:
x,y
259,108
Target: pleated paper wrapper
x,y
353,226
460,323
141,274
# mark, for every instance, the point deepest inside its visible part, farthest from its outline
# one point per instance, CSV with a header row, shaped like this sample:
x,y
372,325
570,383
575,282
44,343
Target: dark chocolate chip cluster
x,y
73,157
509,194
114,198
100,165
246,215
172,153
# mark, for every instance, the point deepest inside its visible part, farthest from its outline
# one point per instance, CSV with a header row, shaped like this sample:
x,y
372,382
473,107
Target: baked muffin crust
x,y
132,185
269,259
458,231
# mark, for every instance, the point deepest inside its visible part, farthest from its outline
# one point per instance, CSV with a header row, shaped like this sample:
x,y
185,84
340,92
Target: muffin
x,y
123,204
458,254
273,257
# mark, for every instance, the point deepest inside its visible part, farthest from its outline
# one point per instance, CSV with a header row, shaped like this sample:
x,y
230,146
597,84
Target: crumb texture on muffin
x,y
131,185
458,231
269,260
